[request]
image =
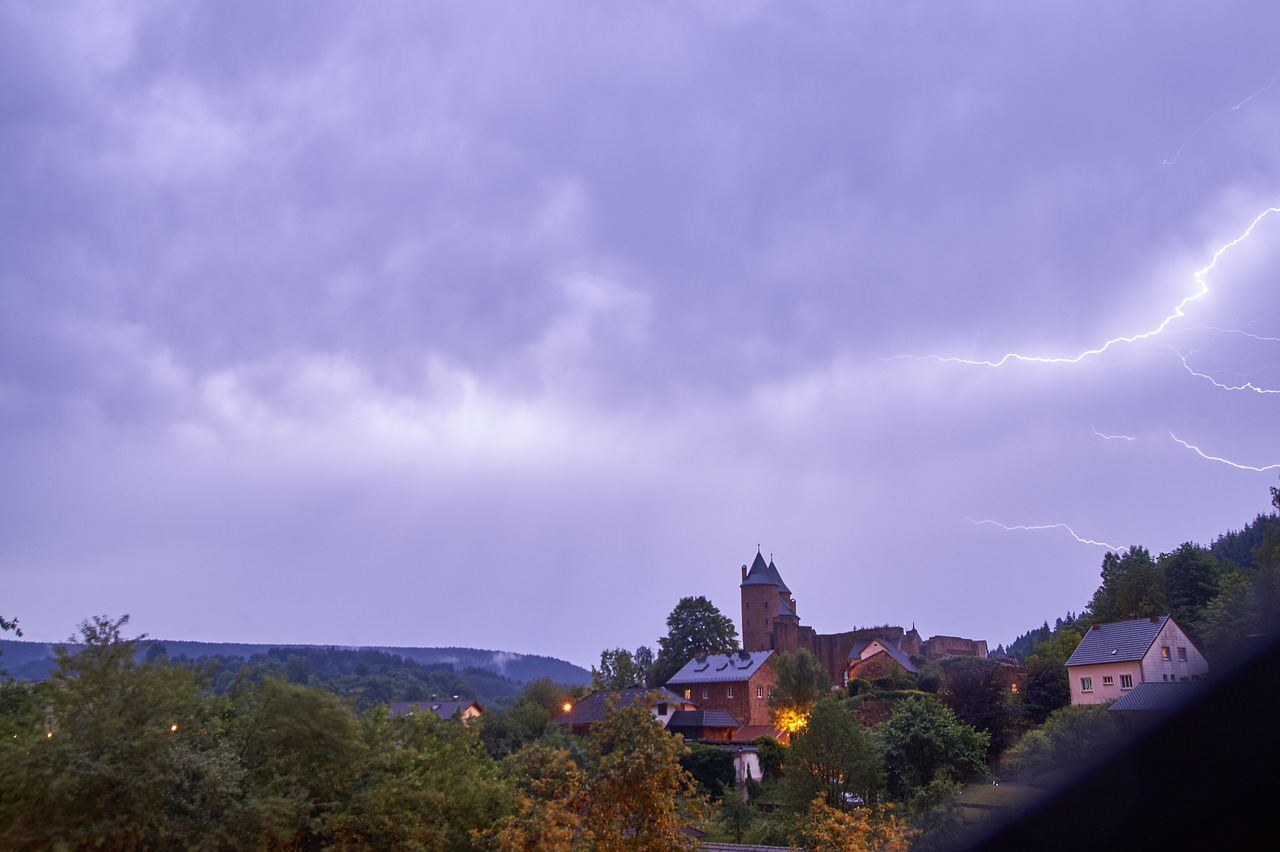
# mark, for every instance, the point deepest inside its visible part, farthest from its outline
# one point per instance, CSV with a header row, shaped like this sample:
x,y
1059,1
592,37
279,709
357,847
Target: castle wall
x,y
936,647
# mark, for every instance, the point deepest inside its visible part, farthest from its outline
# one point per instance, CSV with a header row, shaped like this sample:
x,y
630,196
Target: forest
x,y
124,746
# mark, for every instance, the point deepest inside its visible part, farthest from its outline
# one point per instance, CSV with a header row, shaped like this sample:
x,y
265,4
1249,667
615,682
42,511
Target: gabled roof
x,y
591,708
1156,695
892,648
1117,641
701,719
721,668
762,574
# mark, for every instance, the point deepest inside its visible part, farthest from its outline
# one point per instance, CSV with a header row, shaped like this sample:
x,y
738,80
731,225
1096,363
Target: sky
x,y
507,325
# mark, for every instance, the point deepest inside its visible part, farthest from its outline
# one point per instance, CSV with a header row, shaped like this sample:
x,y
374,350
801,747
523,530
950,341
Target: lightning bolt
x,y
1035,527
1179,310
1208,457
1207,121
1112,437
1238,331
1247,386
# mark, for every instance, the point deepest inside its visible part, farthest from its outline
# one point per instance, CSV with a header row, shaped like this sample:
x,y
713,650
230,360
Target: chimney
x,y
1096,625
744,573
1154,619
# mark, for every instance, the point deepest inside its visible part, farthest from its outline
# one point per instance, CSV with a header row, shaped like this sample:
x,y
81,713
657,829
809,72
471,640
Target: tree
x,y
550,789
636,789
735,813
1229,619
421,782
923,740
801,682
978,692
114,754
1191,581
711,767
1047,686
833,757
621,669
1132,587
694,625
830,829
1071,737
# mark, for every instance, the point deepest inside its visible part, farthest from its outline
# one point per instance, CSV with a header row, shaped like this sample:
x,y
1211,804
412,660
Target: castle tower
x,y
759,605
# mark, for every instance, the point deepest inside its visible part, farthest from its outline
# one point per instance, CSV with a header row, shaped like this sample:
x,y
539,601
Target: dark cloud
x,y
311,315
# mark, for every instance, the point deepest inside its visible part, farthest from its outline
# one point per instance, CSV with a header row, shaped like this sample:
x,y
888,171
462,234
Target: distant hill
x,y
34,660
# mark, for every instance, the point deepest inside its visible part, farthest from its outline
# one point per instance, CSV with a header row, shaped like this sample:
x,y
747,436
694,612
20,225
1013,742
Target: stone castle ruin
x,y
770,623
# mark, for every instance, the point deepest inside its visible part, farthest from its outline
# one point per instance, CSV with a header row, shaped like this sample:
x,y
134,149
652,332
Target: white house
x,y
1113,657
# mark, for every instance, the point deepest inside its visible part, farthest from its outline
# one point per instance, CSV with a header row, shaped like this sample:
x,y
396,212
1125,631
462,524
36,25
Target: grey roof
x,y
782,584
443,709
591,708
1117,641
892,648
721,668
1156,695
762,574
701,719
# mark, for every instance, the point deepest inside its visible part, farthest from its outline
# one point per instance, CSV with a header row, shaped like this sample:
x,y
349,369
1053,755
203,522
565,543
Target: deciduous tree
x,y
695,624
923,740
801,682
833,757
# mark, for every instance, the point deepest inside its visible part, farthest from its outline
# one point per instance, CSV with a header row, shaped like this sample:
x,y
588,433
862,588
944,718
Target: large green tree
x,y
695,624
1132,587
979,693
801,682
833,757
1047,687
923,740
622,669
110,753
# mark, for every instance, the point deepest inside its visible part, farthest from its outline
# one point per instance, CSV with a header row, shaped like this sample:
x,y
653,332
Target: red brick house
x,y
737,683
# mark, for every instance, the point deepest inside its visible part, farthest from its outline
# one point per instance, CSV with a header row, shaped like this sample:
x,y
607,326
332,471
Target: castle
x,y
770,623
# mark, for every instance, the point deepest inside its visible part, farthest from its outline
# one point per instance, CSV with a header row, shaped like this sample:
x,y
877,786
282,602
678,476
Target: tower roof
x,y
764,575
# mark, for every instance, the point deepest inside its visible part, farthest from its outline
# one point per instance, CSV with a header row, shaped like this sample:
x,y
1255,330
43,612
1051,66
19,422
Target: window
x,y
662,709
1126,681
704,695
688,693
1182,655
1107,680
759,692
1164,653
730,695
1086,684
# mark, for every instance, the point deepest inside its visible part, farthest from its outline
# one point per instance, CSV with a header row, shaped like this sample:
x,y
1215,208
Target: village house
x,y
464,709
871,659
579,716
738,684
1113,658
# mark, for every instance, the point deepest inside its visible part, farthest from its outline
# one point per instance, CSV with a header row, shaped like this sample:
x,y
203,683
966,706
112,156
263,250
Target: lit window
x,y
730,695
759,692
1126,681
1182,655
1107,680
688,693
1086,684
1164,652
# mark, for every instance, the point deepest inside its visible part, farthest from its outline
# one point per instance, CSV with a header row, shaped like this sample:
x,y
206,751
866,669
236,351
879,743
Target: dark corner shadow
x,y
1204,778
